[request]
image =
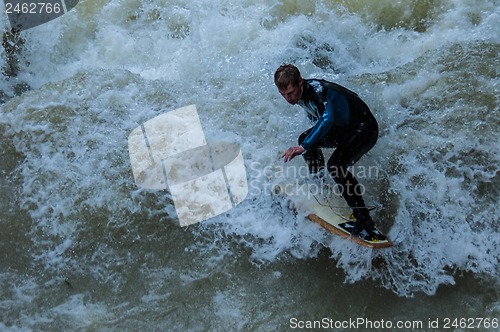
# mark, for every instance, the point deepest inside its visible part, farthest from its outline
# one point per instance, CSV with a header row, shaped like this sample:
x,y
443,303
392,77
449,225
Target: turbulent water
x,y
83,248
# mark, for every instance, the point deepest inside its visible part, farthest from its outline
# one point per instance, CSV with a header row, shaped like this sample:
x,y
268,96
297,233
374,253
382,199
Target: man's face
x,y
292,93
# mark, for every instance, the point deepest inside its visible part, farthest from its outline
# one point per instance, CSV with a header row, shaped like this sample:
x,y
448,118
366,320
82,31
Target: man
x,y
342,120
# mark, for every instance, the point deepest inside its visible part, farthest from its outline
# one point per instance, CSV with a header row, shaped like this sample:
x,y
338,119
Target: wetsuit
x,y
344,121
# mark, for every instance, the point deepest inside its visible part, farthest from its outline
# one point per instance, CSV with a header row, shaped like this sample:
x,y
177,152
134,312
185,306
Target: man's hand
x,y
292,152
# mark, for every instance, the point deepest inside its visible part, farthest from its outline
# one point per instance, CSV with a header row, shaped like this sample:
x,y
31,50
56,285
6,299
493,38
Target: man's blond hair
x,y
286,74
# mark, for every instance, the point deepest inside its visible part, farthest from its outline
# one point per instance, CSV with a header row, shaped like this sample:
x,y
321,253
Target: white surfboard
x,y
331,212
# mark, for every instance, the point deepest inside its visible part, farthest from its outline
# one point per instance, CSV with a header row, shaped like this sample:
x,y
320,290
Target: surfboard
x,y
331,213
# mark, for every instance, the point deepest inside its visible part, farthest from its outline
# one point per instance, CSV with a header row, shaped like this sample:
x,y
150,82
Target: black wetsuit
x,y
344,121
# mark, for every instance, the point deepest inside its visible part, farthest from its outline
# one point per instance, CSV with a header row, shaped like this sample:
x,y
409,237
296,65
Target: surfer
x,y
342,121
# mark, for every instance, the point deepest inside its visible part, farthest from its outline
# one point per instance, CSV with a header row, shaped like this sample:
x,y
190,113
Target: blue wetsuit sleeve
x,y
336,106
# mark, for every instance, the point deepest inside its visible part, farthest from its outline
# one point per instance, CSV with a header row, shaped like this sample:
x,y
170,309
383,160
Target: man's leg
x,y
351,191
348,152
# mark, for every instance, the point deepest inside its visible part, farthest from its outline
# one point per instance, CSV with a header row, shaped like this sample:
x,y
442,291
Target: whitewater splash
x,y
430,77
